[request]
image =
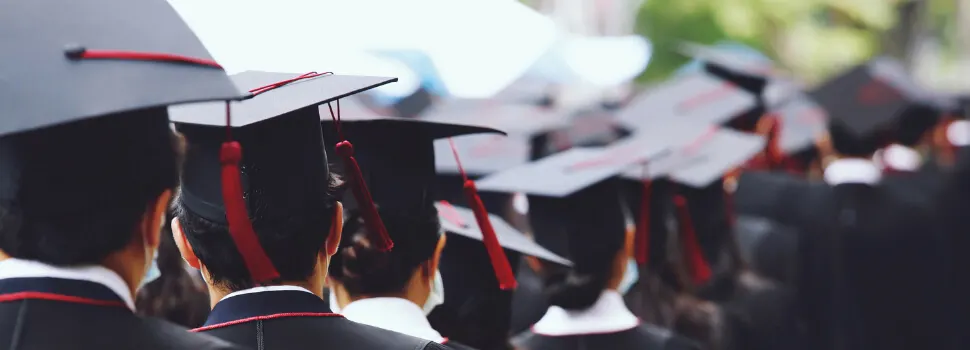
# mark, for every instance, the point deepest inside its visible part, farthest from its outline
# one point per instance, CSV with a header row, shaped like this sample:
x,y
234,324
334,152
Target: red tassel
x,y
699,269
500,263
240,228
642,237
776,157
81,53
365,203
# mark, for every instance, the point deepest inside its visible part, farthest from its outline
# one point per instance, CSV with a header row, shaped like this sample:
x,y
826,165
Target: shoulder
x,y
448,345
676,342
176,337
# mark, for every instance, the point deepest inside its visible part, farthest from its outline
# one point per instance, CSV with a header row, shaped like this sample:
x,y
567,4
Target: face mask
x,y
630,276
153,273
334,307
437,296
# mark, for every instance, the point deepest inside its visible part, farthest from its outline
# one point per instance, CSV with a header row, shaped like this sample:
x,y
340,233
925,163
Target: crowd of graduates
x,y
143,192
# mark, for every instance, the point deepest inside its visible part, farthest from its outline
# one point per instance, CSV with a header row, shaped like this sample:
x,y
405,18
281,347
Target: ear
x,y
154,219
436,257
629,242
183,244
336,230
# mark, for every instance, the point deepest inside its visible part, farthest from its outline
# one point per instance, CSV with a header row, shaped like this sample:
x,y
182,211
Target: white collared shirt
x,y
852,170
608,315
393,314
19,268
899,157
264,289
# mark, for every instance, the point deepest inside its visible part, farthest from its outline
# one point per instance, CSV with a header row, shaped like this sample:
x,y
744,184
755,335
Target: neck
x,y
217,292
125,267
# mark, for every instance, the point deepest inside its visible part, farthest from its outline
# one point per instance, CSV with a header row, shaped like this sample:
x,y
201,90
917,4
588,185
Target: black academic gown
x,y
62,314
294,320
868,277
643,337
954,207
528,302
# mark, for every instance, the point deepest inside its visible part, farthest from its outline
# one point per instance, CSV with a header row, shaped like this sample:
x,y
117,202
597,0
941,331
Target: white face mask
x,y
630,276
153,273
437,295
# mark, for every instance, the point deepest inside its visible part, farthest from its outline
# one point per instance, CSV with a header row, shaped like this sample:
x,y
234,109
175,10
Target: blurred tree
x,y
811,38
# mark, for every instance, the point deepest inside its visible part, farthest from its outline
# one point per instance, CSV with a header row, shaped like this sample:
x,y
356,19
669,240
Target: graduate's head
x,y
87,158
848,143
88,191
589,228
915,125
269,216
397,159
289,196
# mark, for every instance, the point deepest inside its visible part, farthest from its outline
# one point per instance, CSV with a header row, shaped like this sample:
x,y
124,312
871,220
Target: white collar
x,y
852,170
958,133
899,157
608,315
19,268
394,314
265,289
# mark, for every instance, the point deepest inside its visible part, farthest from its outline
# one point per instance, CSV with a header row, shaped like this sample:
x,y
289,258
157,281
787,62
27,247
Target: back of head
x,y
74,193
915,123
288,191
363,270
591,232
849,144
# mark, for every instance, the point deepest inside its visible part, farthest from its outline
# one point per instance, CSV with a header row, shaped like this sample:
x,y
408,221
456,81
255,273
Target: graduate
x,y
394,289
88,164
576,211
263,227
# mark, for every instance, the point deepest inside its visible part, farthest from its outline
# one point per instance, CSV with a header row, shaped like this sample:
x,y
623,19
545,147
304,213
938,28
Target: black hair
x,y
363,270
594,229
73,194
915,122
849,144
292,238
176,296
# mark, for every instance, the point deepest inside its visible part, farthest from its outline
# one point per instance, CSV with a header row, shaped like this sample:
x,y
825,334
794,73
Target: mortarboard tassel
x,y
365,203
642,237
700,271
260,267
500,263
81,53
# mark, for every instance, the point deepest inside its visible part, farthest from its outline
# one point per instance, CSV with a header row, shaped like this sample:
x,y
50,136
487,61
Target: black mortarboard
x,y
284,163
461,221
802,120
398,165
698,97
511,118
95,58
868,97
748,72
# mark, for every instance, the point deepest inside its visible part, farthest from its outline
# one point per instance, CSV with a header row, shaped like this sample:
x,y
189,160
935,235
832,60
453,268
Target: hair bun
x,y
361,259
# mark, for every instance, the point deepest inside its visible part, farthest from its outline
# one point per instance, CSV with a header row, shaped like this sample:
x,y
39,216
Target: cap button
x,y
74,51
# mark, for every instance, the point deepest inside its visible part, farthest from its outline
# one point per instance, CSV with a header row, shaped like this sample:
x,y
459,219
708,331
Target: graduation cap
x,y
285,157
515,119
89,59
698,97
801,122
398,165
461,221
869,96
749,72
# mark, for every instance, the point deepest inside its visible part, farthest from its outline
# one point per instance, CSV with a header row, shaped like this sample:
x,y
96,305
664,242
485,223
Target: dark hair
x,y
362,269
596,231
292,238
176,296
847,143
914,123
73,194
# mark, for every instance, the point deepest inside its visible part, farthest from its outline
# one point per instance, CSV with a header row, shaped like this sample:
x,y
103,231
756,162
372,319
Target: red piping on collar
x,y
265,317
59,297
